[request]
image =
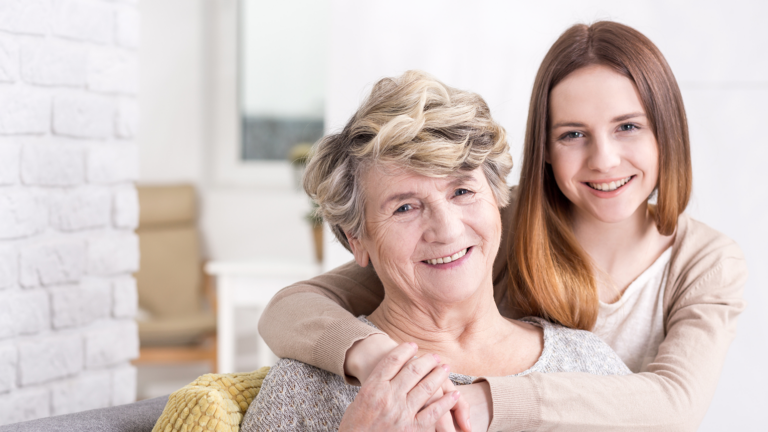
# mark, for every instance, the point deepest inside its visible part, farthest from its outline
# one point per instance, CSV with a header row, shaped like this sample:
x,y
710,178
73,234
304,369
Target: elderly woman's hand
x,y
399,395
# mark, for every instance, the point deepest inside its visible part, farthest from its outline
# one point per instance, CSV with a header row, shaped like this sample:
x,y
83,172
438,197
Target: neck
x,y
605,241
621,251
443,329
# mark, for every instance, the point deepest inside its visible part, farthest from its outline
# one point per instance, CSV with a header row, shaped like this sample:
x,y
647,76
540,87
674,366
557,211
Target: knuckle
x,y
427,387
392,358
413,368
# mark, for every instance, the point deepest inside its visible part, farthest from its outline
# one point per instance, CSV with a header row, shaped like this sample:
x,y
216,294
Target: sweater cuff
x,y
330,351
516,403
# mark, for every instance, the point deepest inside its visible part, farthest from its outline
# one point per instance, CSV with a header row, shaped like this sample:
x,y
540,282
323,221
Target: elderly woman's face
x,y
432,238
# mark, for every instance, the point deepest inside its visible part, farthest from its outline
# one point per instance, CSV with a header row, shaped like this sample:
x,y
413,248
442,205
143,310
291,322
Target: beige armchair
x,y
174,325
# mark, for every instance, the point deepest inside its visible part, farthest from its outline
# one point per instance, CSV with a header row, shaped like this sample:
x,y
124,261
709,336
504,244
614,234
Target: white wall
x,y
68,207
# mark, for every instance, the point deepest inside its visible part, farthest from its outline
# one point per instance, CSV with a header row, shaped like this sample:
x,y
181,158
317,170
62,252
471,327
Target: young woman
x,y
606,131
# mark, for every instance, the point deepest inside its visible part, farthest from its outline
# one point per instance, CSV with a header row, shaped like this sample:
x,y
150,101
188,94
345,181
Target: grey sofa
x,y
135,417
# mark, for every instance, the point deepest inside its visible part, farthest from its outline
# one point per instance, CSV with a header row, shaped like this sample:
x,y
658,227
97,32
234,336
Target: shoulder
x,y
569,350
298,396
697,241
704,260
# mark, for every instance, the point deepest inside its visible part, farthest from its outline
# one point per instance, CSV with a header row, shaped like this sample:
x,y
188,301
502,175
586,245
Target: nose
x,y
444,224
604,154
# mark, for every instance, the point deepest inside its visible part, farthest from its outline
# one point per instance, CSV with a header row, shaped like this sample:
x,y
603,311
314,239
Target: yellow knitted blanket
x,y
212,402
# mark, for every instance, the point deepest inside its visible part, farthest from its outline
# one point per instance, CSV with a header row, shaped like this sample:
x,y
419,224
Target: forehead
x,y
382,183
596,92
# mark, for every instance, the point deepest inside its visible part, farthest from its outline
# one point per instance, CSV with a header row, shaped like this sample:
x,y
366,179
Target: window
x,y
282,75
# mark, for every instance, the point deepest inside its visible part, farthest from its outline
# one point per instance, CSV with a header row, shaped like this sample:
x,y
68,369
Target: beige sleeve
x,y
675,393
315,321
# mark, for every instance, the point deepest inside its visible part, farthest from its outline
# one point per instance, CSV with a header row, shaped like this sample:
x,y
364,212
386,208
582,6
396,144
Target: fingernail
x,y
455,395
413,345
437,357
446,367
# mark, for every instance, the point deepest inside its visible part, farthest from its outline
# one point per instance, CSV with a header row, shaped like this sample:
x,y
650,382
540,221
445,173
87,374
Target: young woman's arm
x,y
315,321
704,305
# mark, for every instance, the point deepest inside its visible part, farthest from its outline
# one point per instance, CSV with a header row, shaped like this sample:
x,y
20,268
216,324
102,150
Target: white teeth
x,y
610,186
446,260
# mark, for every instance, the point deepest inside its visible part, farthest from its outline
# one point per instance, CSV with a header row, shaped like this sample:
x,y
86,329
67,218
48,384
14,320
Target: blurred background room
x,y
188,122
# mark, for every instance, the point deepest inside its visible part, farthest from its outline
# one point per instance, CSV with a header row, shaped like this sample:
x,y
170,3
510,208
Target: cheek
x,y
647,159
565,165
393,242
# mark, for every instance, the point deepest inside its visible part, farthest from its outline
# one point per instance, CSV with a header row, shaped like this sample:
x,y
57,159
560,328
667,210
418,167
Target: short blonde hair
x,y
414,122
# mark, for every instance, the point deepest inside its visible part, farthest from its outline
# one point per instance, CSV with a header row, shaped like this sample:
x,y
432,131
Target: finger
x,y
413,372
425,389
445,423
393,362
460,411
429,416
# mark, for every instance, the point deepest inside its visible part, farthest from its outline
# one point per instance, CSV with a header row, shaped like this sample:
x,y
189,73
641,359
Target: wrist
x,y
478,396
365,354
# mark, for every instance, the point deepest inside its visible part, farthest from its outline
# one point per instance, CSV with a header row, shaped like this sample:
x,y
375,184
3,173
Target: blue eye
x,y
460,192
627,127
573,135
404,208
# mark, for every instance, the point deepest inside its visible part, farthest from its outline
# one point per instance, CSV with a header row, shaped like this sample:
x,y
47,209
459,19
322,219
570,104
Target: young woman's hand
x,y
365,354
399,395
478,397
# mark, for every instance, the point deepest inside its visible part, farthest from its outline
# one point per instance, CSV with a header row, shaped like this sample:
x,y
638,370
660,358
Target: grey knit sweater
x,y
298,397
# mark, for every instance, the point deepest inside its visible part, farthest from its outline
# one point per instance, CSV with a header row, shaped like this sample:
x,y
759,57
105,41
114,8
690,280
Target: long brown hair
x,y
550,274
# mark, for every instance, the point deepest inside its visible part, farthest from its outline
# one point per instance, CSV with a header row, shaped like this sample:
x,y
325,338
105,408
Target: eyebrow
x,y
460,178
618,119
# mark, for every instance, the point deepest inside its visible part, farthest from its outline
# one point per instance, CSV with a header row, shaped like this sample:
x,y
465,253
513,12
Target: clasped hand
x,y
404,393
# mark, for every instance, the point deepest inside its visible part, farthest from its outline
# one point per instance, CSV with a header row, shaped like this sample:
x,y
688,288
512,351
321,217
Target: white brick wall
x,y
8,363
24,110
87,391
68,206
25,404
9,163
52,62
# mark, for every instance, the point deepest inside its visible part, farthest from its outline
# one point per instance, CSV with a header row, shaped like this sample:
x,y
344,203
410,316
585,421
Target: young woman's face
x,y
602,150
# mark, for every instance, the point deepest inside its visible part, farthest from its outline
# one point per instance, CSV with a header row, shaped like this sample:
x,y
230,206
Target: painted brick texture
x,y
68,206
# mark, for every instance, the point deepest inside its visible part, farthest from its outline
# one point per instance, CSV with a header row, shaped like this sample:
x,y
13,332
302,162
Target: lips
x,y
446,259
609,186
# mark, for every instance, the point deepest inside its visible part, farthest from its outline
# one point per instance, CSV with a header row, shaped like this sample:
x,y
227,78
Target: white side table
x,y
249,284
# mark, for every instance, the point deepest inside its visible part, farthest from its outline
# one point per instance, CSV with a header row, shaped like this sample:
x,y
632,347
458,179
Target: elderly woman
x,y
413,186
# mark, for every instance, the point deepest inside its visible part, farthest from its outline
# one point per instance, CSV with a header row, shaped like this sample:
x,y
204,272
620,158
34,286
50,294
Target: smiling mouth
x,y
611,186
448,259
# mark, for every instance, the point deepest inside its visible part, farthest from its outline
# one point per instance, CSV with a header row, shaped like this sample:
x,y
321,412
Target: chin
x,y
458,290
614,214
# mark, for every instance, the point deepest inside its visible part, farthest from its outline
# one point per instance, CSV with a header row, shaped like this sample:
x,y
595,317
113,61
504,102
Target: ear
x,y
546,155
358,250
